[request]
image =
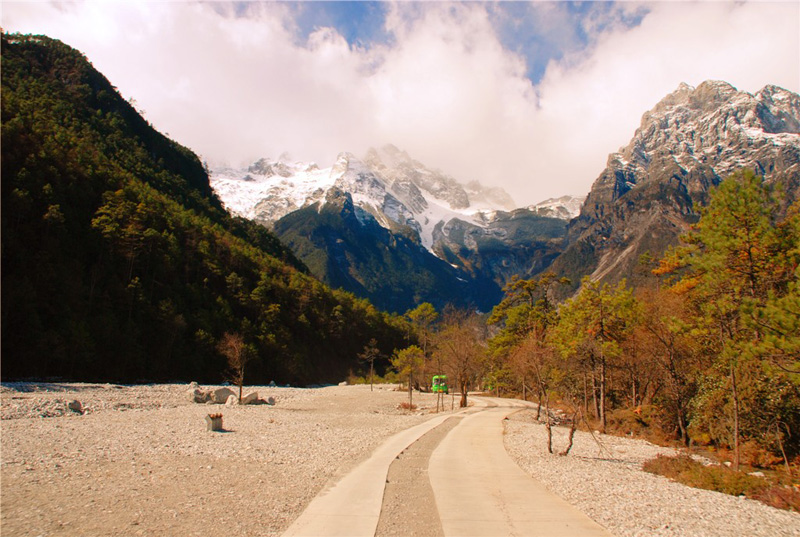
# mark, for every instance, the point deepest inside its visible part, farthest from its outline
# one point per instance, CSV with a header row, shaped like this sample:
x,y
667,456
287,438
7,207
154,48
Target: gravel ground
x,y
607,484
139,461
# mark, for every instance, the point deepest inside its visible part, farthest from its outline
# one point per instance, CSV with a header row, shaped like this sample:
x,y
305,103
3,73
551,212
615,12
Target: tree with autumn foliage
x,y
408,363
460,344
238,354
593,326
738,270
522,321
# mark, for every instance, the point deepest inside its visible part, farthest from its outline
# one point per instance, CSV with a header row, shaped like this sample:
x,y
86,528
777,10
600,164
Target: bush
x,y
685,470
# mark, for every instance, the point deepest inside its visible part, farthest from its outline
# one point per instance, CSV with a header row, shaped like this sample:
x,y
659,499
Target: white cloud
x,y
601,99
235,87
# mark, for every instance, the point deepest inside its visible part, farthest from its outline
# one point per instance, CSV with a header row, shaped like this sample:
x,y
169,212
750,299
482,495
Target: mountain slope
x,y
439,240
652,189
120,264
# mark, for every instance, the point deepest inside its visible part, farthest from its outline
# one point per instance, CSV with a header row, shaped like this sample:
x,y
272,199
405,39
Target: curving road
x,y
478,489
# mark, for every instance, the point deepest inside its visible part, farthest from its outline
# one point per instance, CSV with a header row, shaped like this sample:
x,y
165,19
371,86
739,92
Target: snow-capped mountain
x,y
388,184
651,189
564,207
391,229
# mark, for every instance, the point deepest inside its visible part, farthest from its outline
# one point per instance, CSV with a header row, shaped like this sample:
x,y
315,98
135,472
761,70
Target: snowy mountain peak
x,y
388,184
565,207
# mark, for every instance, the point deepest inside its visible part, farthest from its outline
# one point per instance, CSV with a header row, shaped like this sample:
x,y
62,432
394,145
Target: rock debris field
x,y
139,460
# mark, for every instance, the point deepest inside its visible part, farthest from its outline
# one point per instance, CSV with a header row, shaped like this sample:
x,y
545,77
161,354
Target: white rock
x,y
221,395
232,401
250,398
196,395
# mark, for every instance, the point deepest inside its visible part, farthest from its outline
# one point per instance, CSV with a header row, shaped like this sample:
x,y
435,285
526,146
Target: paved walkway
x,y
479,489
352,506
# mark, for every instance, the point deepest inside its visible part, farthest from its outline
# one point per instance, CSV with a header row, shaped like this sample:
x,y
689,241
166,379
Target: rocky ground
x,y
602,476
138,460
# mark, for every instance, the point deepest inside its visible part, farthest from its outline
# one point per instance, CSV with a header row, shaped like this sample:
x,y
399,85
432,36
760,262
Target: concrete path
x,y
352,506
480,490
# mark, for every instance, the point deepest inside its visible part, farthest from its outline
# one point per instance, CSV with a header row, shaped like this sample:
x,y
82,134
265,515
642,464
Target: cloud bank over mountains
x,y
530,97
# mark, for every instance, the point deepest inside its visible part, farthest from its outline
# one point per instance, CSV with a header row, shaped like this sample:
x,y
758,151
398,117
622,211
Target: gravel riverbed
x,y
602,476
139,461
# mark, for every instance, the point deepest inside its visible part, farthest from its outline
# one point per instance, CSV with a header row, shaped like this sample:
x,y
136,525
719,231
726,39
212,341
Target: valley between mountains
x,y
665,305
387,227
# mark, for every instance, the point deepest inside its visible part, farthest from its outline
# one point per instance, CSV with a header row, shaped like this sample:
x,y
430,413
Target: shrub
x,y
685,470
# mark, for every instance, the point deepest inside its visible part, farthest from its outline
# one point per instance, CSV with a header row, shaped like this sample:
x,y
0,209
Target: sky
x,y
529,96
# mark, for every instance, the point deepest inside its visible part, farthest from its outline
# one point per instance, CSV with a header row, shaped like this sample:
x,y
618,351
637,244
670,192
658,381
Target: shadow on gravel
x,y
32,387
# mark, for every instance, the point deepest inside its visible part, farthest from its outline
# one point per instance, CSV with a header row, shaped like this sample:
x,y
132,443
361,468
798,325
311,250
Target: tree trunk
x,y
371,372
585,394
682,427
603,395
735,394
595,400
464,386
548,425
571,435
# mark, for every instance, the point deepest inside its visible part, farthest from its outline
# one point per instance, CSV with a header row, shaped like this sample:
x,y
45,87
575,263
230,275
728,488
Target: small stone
x,y
272,384
757,474
270,400
75,406
232,401
343,383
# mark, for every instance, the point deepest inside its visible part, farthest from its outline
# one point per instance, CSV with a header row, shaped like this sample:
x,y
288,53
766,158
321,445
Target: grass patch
x,y
772,490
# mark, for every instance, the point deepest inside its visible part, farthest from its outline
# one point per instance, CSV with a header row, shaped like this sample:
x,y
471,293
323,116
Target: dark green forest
x,y
120,264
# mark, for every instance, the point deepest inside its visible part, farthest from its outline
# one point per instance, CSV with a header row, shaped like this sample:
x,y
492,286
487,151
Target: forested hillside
x,y
118,261
706,348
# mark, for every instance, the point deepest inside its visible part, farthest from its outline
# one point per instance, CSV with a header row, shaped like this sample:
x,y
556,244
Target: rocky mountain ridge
x,y
454,233
652,189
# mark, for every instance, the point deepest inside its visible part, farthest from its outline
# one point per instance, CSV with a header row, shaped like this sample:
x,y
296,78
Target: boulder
x,y
196,395
270,400
232,401
250,399
221,395
75,406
